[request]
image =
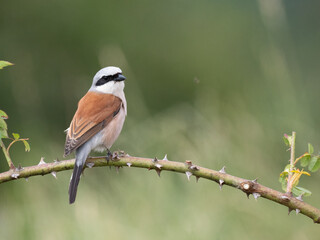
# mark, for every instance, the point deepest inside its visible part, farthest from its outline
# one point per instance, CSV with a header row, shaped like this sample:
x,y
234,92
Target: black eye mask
x,y
116,77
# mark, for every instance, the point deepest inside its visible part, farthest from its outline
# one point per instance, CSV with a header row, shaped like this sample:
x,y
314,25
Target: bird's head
x,y
108,80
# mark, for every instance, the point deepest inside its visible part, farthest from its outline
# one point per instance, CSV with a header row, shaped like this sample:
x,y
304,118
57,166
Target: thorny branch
x,y
119,159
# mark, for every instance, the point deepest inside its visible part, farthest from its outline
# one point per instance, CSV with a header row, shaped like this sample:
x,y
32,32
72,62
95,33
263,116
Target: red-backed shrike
x,y
97,122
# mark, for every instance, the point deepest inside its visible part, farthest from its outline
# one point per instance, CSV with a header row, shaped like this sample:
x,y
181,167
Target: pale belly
x,y
107,136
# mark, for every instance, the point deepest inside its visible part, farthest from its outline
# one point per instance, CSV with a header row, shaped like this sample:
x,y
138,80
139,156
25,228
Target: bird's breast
x,y
112,131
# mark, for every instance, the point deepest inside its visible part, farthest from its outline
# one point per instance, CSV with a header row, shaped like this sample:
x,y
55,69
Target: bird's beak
x,y
120,78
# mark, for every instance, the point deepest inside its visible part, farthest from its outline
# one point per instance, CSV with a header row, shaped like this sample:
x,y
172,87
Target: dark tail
x,y
73,187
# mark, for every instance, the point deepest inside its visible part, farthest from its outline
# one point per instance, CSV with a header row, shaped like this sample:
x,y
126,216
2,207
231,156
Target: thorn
x,y
221,182
90,164
19,168
158,165
248,195
300,197
129,164
117,169
155,160
223,170
285,198
289,210
255,180
56,160
256,195
122,153
115,156
197,179
191,166
15,175
194,167
54,174
165,158
188,175
27,179
189,163
41,161
297,211
158,172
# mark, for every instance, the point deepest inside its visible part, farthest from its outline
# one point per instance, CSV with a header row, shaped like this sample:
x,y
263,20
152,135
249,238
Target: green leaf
x,y
310,148
287,168
287,139
284,186
3,124
26,146
3,115
283,177
3,133
301,191
16,136
5,64
314,164
295,183
305,161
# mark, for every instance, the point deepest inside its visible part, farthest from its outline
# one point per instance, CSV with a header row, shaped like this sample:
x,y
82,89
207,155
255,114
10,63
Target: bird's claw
x,y
109,156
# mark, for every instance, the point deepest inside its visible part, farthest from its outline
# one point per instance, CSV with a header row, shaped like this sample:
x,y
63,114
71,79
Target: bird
x,y
98,121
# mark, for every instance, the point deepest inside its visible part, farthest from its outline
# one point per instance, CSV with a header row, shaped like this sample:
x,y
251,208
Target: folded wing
x,y
95,111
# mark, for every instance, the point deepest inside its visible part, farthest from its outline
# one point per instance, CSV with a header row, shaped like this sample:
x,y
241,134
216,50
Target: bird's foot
x,y
109,156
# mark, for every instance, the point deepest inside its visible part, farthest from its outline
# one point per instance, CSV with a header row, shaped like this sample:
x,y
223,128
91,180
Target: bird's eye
x,y
103,80
107,78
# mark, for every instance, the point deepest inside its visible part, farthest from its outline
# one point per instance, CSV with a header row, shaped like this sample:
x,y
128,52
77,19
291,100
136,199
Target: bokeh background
x,y
215,82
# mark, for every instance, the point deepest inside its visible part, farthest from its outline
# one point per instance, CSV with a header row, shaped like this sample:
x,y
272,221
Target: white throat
x,y
114,88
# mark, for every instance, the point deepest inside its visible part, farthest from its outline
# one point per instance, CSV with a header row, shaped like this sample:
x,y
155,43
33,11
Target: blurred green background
x,y
215,82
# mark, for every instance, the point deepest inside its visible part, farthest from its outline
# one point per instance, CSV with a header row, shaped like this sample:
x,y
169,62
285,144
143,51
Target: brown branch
x,y
222,178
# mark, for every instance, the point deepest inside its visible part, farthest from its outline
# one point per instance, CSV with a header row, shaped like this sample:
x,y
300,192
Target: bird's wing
x,y
95,111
